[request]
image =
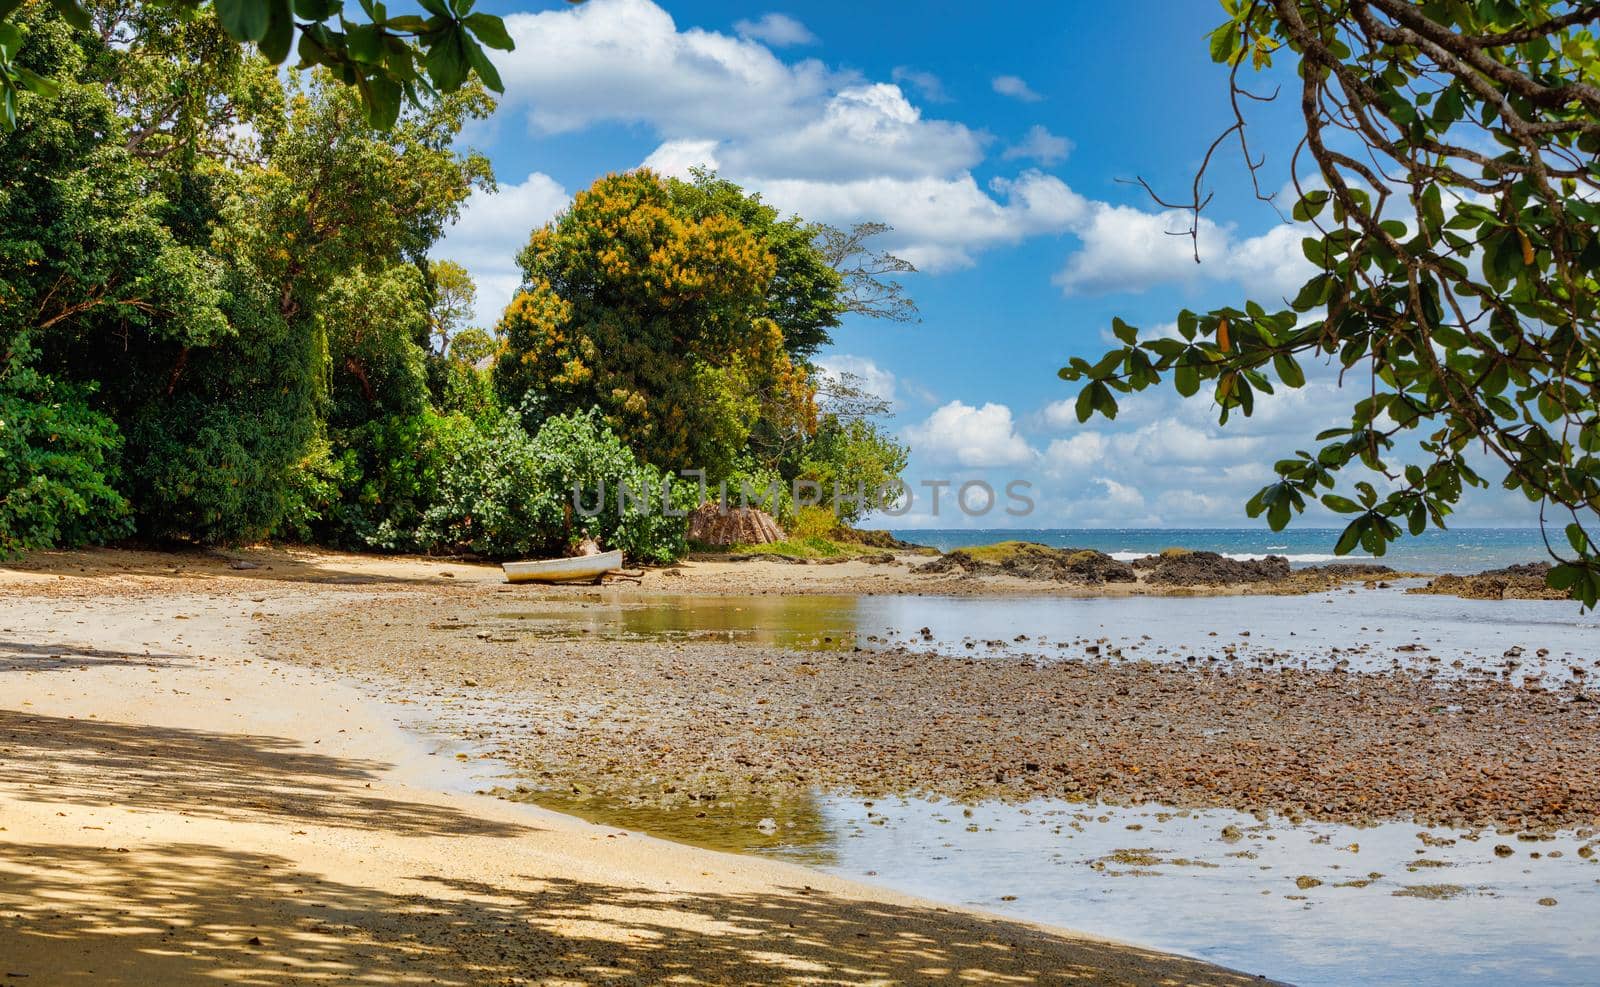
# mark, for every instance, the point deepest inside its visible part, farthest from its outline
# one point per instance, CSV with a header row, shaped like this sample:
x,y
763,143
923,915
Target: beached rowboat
x,y
579,568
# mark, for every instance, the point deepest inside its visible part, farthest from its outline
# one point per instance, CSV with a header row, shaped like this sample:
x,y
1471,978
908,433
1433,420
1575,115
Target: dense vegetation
x,y
219,319
1455,227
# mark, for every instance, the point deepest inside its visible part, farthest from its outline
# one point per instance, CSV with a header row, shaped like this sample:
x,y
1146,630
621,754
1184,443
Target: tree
x,y
454,295
869,276
658,317
1455,234
387,60
805,294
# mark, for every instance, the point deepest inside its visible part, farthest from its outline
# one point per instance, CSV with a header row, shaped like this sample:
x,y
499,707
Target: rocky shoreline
x,y
706,720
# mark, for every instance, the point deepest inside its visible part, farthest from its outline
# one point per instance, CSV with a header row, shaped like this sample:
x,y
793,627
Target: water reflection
x,y
792,825
1365,630
1310,903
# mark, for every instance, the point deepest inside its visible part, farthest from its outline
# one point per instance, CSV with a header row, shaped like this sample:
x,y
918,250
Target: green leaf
x,y
1351,536
1577,538
1223,42
34,82
1344,505
1563,577
72,13
490,30
1120,329
447,61
383,101
316,10
1288,370
280,33
1084,406
480,63
245,20
365,43
1186,379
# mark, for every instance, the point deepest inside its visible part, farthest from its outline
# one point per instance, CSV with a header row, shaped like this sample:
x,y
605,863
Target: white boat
x,y
579,568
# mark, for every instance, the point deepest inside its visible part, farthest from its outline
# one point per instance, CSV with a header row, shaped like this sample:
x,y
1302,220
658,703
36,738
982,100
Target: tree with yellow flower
x,y
658,317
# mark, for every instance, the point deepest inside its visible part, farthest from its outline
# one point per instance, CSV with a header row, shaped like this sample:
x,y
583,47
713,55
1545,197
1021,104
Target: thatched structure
x,y
711,524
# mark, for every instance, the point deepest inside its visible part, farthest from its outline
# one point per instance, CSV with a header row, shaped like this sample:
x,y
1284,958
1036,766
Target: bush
x,y
58,467
504,493
814,522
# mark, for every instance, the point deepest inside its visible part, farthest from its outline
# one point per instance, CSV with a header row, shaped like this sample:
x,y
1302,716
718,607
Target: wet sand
x,y
176,809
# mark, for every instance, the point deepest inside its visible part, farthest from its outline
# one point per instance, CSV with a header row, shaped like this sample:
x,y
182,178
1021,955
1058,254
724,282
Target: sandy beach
x,y
176,808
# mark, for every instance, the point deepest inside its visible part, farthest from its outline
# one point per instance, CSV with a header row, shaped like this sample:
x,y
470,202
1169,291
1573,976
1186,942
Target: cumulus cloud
x,y
1128,249
1083,451
1015,87
1125,249
626,60
938,222
777,30
866,129
927,85
1040,145
873,379
824,142
962,435
490,231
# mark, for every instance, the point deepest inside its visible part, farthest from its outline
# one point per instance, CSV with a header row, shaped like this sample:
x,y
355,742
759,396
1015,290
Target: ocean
x,y
1457,550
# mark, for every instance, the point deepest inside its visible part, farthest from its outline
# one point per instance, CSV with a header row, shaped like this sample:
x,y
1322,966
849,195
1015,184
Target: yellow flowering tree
x,y
658,318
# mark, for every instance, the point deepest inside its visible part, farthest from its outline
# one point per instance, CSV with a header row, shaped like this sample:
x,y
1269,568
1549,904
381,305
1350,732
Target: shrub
x,y
503,493
58,467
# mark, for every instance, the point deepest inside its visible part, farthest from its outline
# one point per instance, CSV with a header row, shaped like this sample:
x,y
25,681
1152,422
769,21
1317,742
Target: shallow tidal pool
x,y
1303,902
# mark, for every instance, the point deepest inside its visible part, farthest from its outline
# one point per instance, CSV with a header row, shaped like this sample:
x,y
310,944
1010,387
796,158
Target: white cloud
x,y
1040,145
960,434
822,142
1076,453
867,129
1128,249
874,379
493,227
1125,249
1121,495
626,60
1016,88
777,30
938,222
929,86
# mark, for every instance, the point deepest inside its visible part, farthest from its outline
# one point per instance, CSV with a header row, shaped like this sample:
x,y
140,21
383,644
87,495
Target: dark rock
x,y
1029,560
1210,569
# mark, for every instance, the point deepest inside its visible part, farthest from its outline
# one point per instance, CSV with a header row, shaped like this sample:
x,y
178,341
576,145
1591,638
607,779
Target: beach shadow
x,y
211,775
19,656
182,913
261,564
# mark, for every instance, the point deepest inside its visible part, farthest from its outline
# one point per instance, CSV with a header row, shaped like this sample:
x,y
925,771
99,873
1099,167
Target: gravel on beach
x,y
704,718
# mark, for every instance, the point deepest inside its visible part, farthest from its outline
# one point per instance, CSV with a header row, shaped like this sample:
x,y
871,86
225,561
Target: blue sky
x,y
993,142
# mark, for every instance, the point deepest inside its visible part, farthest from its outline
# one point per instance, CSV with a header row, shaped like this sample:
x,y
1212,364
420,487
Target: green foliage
x,y
804,295
58,467
1458,250
388,60
507,494
658,317
814,522
220,322
454,294
853,460
211,457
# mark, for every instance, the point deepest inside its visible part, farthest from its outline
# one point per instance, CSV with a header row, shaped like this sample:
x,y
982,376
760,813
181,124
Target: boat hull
x,y
583,568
